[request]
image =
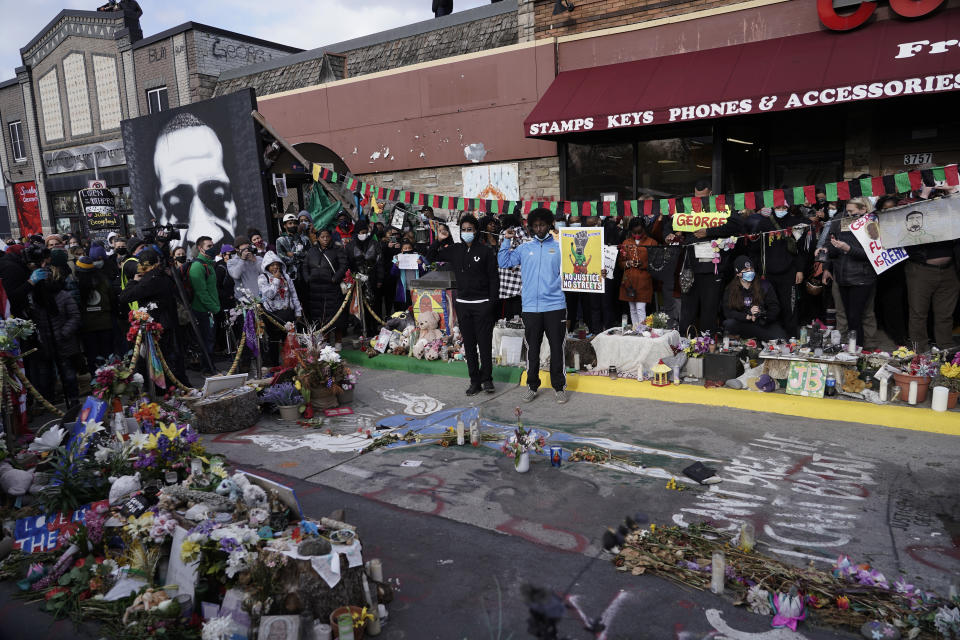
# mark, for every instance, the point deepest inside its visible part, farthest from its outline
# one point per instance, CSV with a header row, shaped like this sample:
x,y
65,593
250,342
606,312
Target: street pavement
x,y
461,531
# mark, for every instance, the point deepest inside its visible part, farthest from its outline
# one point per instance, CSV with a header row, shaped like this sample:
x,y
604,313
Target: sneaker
x,y
562,397
529,395
488,387
473,389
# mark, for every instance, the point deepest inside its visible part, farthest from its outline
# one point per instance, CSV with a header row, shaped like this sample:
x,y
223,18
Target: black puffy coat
x,y
851,269
16,282
322,272
154,286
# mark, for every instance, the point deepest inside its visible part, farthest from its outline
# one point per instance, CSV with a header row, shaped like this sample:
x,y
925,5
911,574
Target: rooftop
x,y
187,26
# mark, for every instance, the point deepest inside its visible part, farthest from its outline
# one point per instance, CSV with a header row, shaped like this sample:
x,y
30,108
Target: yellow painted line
x,y
865,413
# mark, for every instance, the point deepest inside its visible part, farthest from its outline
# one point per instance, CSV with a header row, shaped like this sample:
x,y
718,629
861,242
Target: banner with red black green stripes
x,y
860,187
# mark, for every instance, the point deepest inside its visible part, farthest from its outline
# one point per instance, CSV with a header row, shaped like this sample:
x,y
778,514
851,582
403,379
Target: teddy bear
x,y
852,382
14,482
253,495
428,324
229,489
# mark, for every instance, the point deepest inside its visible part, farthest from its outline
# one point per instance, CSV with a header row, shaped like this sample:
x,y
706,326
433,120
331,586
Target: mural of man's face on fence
x,y
193,185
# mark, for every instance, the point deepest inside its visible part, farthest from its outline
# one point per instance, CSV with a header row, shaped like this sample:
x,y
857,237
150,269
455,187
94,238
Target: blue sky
x,y
307,25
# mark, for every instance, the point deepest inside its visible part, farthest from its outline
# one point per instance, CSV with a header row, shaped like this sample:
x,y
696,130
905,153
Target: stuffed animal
x,y
123,486
229,489
147,601
428,324
14,482
253,495
400,321
852,382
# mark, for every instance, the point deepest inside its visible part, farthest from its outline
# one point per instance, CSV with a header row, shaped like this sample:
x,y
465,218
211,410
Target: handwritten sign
x,y
49,532
408,261
99,209
697,221
807,379
867,232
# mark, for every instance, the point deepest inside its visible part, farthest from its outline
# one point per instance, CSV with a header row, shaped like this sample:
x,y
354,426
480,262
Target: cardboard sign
x,y
581,251
807,379
867,232
49,532
697,221
610,252
921,222
383,340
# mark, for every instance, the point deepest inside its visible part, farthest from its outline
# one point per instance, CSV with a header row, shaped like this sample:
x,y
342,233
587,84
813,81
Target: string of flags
x,y
863,187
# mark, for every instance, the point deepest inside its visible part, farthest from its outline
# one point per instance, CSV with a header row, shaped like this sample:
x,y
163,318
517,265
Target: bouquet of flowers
x,y
921,366
165,447
522,441
141,319
699,346
282,394
658,320
12,331
114,380
319,365
230,548
949,375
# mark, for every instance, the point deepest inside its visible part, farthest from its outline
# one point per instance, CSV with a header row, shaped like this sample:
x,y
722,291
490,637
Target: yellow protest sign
x,y
581,250
702,220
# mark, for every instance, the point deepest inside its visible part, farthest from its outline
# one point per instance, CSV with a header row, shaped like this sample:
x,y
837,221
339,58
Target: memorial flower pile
x,y
114,380
167,446
12,331
699,346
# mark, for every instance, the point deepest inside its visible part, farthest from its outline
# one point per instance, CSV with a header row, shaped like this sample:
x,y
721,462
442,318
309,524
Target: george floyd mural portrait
x,y
197,168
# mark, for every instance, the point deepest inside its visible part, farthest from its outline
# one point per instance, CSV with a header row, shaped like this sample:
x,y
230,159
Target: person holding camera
x,y
280,301
750,306
55,313
244,268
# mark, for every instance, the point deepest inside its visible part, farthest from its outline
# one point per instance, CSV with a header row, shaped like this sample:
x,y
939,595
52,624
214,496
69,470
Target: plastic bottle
x,y
460,431
831,389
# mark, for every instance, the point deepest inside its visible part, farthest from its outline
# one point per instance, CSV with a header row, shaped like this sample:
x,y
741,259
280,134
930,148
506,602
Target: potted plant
x,y
949,377
921,370
519,445
323,376
287,399
695,349
657,323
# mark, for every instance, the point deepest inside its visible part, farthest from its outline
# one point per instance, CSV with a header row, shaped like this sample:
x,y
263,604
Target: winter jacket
x,y
475,265
203,280
96,311
770,303
225,287
277,293
16,281
323,271
245,274
539,262
155,287
637,283
772,255
365,257
58,332
849,269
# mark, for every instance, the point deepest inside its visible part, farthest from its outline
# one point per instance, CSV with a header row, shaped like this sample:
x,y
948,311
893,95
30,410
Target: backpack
x,y
185,277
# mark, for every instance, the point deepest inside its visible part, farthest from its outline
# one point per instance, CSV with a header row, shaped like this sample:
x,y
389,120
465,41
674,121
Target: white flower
x,y
237,561
947,622
48,441
138,440
103,454
217,628
137,378
759,600
92,427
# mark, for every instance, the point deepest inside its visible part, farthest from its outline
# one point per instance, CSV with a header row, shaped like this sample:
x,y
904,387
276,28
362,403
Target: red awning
x,y
881,60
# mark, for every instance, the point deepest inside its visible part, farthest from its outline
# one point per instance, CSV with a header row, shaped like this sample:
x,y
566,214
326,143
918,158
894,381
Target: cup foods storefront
x,y
802,104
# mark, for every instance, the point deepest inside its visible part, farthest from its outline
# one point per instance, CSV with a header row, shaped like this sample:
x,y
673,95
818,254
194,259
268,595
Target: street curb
x,y
455,369
865,413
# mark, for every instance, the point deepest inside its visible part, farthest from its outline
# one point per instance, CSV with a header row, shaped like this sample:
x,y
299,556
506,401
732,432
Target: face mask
x,y
362,236
467,236
780,214
543,237
561,225
98,264
210,253
181,259
574,224
748,276
121,251
831,212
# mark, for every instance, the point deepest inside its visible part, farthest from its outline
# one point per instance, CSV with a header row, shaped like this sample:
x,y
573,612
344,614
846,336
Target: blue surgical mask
x,y
780,214
748,276
831,212
561,225
467,236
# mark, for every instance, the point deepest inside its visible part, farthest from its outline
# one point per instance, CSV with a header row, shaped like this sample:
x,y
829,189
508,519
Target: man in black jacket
x,y
478,287
16,280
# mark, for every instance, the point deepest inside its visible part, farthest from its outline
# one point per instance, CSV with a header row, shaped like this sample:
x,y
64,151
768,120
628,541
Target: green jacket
x,y
203,280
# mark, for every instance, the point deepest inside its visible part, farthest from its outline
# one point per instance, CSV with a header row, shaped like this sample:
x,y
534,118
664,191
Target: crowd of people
x,y
769,272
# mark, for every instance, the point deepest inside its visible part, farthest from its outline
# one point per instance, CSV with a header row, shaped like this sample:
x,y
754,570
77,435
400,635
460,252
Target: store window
x,y
672,166
600,171
16,141
157,100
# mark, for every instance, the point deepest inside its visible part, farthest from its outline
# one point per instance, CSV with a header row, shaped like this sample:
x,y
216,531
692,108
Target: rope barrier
x,y
33,391
136,353
236,360
324,328
372,312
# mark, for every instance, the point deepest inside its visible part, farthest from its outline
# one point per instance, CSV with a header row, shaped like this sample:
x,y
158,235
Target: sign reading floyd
x,y
198,165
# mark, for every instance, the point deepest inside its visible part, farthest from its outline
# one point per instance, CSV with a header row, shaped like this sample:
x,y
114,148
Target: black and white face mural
x,y
199,166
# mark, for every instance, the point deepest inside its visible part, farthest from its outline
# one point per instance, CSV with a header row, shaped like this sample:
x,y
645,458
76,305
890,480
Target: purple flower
x,y
205,528
230,545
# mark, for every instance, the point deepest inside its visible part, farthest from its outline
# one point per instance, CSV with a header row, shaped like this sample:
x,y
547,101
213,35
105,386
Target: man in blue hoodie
x,y
543,304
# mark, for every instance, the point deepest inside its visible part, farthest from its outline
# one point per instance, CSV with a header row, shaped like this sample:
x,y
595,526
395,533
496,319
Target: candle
x,y
747,537
718,570
170,477
196,466
460,431
576,361
912,398
939,401
375,570
640,373
883,389
852,342
322,631
726,343
676,375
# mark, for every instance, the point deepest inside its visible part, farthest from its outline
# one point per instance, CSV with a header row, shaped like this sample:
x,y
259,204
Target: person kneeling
x,y
750,305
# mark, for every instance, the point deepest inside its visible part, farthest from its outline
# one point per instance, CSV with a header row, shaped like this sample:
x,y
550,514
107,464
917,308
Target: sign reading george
x,y
581,251
904,8
867,232
697,221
